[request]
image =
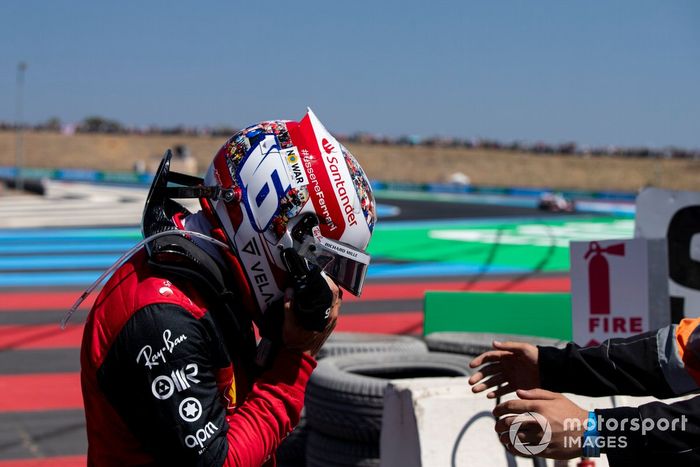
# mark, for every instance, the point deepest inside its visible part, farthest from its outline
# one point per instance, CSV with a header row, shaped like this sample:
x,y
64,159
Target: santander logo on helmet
x,y
287,171
328,147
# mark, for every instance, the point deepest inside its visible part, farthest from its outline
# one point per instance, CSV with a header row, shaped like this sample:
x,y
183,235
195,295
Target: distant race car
x,y
556,202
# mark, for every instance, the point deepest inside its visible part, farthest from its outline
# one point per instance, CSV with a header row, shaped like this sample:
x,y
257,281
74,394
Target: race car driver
x,y
170,370
663,363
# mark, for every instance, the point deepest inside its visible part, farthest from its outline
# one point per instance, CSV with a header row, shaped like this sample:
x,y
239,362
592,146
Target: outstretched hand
x,y
512,366
561,433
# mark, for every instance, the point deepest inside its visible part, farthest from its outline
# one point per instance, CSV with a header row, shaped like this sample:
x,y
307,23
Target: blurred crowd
x,y
96,124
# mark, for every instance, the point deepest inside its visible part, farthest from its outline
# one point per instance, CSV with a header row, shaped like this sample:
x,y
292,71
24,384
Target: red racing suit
x,y
163,386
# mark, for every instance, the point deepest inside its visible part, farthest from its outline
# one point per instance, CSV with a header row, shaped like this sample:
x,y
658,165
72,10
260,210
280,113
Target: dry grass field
x,y
389,163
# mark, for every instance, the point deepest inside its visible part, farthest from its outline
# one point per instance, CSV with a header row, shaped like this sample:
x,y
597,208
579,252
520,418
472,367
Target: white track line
x,y
76,204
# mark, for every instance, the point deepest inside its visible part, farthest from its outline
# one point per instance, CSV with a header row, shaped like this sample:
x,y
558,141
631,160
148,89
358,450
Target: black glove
x,y
313,300
313,297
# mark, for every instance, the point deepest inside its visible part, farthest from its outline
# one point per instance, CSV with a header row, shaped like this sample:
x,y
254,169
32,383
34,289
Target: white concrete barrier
x,y
439,422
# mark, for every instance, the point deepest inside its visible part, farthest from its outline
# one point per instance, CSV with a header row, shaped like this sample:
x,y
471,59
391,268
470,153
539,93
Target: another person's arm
x,y
661,434
663,363
651,434
660,363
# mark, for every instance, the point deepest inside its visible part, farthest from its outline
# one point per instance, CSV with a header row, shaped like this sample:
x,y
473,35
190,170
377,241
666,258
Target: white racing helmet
x,y
295,187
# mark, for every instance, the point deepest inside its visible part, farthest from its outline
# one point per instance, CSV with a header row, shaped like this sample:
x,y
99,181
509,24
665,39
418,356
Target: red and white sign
x,y
618,288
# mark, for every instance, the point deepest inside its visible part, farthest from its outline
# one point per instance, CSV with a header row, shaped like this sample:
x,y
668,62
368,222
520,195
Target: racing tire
x,y
291,452
344,343
345,395
475,343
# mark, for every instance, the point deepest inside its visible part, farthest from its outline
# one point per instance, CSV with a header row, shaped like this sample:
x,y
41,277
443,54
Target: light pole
x,y
19,137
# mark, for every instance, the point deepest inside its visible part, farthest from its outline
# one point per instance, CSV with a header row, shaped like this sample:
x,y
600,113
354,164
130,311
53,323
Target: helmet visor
x,y
346,265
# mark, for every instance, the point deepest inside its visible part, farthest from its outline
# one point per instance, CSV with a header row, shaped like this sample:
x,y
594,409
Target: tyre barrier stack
x,y
345,401
475,343
342,418
292,451
344,343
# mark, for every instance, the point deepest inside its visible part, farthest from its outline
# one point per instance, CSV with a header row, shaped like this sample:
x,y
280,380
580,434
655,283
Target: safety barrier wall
x,y
78,175
86,175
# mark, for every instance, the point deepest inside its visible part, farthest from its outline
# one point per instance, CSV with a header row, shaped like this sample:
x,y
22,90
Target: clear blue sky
x,y
598,73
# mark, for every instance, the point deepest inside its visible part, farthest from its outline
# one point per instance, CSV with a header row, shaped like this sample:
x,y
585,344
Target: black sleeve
x,y
160,374
652,434
618,366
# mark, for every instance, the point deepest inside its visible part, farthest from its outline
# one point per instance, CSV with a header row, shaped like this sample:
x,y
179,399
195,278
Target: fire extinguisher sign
x,y
618,288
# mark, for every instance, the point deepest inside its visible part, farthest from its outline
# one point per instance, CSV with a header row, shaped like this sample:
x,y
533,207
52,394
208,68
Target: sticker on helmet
x,y
264,179
363,188
294,167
